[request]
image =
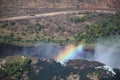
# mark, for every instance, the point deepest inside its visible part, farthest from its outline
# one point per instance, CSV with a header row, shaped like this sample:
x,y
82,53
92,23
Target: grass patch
x,y
13,59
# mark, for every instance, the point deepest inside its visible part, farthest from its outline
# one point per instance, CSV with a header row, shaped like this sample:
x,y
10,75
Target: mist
x,y
106,51
48,51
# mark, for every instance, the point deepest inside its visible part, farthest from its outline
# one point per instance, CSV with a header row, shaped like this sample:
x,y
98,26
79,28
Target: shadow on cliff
x,y
9,49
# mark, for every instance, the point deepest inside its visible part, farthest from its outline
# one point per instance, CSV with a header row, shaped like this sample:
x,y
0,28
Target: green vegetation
x,y
105,27
79,19
61,32
26,61
92,33
38,27
9,38
15,70
3,25
6,39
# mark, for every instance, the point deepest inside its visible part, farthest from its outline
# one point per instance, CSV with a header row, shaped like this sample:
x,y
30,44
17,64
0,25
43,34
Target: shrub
x,y
3,25
18,38
23,34
11,34
26,72
39,27
35,39
15,70
27,61
107,26
12,68
79,19
17,74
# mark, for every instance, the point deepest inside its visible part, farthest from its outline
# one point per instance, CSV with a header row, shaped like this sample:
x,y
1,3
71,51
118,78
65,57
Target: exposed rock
x,y
74,70
78,69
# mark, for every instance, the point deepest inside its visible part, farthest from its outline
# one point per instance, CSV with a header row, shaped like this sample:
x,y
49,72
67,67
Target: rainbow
x,y
69,52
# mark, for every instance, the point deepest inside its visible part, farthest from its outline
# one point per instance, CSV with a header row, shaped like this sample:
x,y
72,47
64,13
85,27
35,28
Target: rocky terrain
x,y
34,32
45,69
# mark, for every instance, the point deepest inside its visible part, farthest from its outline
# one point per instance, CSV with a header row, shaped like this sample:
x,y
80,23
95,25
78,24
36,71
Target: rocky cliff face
x,y
73,70
35,68
24,7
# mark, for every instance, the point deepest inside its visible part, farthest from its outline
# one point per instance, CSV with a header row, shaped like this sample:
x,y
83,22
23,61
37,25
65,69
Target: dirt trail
x,y
53,13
